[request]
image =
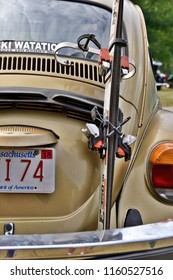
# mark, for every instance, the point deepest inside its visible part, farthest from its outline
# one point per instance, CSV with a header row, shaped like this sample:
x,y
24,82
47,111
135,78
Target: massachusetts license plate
x,y
27,170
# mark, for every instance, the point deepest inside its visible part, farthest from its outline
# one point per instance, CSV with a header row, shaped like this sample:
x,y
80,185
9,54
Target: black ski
x,y
111,113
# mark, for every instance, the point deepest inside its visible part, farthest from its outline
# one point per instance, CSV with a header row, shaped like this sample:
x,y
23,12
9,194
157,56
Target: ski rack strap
x,y
105,61
118,41
97,139
126,72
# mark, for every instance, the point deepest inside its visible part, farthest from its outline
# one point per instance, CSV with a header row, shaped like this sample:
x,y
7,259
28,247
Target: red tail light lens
x,y
161,169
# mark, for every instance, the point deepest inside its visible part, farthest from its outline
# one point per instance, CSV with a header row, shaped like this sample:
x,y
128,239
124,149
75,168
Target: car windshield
x,y
52,21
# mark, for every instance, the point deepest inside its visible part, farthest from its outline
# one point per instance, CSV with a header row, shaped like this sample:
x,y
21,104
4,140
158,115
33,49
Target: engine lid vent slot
x,y
48,66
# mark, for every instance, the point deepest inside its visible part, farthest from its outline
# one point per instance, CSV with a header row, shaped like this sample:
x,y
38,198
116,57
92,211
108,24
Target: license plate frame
x,y
30,170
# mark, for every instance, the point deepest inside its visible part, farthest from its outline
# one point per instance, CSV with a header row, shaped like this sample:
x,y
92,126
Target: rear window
x,y
52,21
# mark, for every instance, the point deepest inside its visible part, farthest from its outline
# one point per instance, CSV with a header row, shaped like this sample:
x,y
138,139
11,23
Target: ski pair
x,y
108,138
105,138
110,113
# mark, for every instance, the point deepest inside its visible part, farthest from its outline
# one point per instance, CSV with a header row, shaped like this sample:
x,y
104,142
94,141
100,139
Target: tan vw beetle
x,y
49,178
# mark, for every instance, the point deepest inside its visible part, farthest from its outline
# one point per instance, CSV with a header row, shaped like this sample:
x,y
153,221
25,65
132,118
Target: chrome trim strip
x,y
93,243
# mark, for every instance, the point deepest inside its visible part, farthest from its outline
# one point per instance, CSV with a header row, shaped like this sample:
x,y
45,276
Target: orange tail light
x,y
161,164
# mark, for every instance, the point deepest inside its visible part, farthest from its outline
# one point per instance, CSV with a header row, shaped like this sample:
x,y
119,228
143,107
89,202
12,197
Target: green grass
x,y
166,96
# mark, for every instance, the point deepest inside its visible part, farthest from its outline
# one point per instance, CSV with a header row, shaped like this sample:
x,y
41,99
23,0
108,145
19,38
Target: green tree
x,y
159,21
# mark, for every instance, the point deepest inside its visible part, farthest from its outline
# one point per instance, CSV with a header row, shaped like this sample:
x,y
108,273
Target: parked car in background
x,y
50,178
161,78
170,81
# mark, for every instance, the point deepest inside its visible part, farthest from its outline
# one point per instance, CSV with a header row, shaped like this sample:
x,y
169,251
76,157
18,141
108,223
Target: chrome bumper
x,y
86,245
